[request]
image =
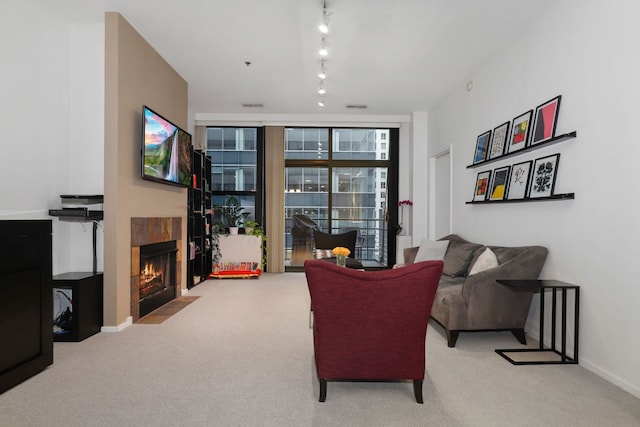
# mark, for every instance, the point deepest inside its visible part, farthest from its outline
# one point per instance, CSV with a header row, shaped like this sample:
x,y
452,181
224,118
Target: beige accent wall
x,y
135,74
274,197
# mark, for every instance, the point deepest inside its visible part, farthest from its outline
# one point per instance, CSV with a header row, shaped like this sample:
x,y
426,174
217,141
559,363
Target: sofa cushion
x,y
450,281
458,257
431,250
487,260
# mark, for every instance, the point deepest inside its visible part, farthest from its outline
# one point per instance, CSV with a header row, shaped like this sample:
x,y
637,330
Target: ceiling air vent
x,y
253,105
357,106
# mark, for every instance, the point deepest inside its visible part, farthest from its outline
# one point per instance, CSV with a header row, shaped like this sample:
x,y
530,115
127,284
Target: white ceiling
x,y
395,56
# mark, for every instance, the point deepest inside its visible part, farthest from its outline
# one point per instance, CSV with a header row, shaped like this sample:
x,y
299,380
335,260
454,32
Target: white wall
x,y
585,51
87,134
51,113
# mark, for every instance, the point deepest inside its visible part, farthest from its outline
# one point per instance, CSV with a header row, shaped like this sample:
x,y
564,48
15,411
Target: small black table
x,y
554,286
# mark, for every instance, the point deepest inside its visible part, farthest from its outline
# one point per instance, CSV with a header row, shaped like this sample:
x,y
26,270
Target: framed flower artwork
x,y
545,121
543,179
520,128
519,180
482,146
499,183
499,140
482,185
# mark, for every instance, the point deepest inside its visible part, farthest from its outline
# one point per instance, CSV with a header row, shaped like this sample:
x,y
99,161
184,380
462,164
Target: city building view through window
x,y
336,180
234,167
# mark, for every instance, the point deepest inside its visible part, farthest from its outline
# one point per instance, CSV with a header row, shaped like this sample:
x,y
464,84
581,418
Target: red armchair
x,y
371,325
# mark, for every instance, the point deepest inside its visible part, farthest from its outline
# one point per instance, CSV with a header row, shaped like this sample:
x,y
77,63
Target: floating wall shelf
x,y
554,140
564,196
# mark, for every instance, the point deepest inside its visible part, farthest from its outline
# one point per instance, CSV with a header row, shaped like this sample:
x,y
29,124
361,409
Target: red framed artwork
x,y
546,120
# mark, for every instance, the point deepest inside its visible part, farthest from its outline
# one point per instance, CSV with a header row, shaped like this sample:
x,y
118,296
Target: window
x,y
235,169
338,179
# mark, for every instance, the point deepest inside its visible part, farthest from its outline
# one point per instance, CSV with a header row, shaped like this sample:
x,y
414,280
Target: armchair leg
x,y
417,390
323,389
520,336
452,337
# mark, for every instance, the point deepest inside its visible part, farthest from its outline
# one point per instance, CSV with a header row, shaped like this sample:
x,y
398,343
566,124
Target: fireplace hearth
x,y
157,283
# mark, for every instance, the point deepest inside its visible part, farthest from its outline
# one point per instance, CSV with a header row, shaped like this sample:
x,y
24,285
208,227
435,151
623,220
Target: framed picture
x,y
499,183
519,180
546,119
520,128
499,140
543,179
482,185
482,146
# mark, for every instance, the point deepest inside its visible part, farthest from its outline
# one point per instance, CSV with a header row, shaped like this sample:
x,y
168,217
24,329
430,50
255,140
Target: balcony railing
x,y
371,244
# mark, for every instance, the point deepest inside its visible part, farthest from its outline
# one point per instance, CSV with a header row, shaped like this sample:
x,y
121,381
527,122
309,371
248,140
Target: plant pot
x,y
233,230
248,230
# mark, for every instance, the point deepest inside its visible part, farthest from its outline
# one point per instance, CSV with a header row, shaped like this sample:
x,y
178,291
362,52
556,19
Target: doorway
x,y
440,186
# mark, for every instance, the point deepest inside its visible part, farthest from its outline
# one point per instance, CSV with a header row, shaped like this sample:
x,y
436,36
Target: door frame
x,y
433,190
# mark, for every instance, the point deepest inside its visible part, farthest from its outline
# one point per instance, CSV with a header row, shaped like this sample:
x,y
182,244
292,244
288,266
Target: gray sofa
x,y
477,302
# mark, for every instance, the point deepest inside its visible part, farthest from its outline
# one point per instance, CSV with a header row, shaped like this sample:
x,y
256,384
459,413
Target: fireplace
x,y
157,283
146,232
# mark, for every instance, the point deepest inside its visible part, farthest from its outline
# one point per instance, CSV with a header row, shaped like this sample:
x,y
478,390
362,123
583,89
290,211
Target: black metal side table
x,y
558,357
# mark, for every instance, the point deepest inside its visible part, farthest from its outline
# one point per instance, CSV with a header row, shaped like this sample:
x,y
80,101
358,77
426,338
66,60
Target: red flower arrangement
x,y
405,203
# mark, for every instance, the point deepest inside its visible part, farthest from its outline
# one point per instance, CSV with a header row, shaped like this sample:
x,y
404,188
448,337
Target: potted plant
x,y
252,227
232,214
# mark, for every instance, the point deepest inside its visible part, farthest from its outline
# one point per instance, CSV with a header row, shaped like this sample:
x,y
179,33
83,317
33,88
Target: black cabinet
x,y
79,309
26,303
200,215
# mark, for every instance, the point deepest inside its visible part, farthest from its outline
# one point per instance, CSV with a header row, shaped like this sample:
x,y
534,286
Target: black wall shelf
x,y
80,214
564,196
554,140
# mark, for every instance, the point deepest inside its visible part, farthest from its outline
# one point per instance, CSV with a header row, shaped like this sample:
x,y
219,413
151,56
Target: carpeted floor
x,y
242,355
161,314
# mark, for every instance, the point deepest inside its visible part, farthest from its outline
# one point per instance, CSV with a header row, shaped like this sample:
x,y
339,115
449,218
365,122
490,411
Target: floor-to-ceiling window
x,y
339,179
236,168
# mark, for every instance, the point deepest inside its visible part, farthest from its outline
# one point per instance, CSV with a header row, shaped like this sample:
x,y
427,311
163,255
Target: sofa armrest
x,y
490,303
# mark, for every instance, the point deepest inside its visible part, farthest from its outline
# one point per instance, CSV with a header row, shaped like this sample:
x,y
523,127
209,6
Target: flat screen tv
x,y
166,150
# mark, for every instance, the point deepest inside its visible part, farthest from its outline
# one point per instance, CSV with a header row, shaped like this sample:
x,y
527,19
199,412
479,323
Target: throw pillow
x,y
458,257
485,261
431,250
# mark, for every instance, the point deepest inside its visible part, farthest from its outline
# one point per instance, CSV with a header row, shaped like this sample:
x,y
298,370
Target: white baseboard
x,y
120,327
592,367
626,386
185,291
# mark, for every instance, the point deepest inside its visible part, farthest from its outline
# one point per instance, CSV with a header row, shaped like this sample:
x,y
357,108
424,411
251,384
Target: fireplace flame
x,y
149,274
151,280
